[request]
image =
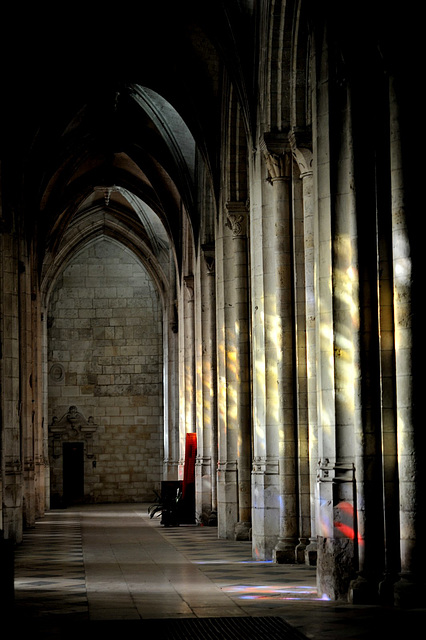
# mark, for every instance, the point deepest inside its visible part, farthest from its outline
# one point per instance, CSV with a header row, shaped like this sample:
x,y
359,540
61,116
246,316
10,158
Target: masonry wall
x,y
105,359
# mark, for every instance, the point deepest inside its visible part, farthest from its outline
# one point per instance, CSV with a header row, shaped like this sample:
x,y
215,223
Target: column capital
x,y
277,152
237,215
209,257
301,146
189,286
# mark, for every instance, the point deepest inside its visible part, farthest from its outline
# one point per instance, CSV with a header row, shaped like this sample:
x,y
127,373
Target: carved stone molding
x,y
189,285
209,257
237,215
203,461
277,152
301,146
328,471
73,424
12,467
227,466
265,465
57,372
304,160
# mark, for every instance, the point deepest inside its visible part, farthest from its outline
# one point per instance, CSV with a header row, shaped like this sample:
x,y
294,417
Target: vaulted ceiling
x,y
116,112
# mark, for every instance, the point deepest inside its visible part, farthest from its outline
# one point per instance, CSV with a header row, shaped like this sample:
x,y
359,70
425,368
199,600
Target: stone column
x,y
40,458
302,153
171,399
278,159
265,476
189,373
234,414
410,590
44,409
11,461
206,465
338,350
335,279
237,213
26,395
389,444
187,362
227,472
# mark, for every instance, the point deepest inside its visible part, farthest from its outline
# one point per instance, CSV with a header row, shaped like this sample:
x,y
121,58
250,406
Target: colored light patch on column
x,y
347,530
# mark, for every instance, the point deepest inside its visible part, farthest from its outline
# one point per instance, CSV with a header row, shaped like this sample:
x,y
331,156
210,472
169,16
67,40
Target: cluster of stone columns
x,y
233,376
23,446
289,335
329,488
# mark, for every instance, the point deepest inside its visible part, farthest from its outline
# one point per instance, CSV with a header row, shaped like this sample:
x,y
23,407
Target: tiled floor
x,y
112,567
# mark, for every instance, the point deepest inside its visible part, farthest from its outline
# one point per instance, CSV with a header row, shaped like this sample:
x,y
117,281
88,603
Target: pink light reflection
x,y
266,592
347,530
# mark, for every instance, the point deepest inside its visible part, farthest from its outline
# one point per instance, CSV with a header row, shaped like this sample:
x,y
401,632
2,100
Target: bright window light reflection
x,y
279,592
255,562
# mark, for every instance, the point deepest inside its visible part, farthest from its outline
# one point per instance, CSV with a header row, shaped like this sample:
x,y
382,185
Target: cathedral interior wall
x,y
105,358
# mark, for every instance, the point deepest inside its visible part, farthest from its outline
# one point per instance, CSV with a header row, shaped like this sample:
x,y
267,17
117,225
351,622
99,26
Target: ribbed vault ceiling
x,y
112,114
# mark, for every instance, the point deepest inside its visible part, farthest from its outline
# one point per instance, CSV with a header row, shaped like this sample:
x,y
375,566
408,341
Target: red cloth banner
x,y
190,455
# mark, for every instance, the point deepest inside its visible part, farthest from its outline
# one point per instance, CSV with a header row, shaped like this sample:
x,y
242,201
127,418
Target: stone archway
x,y
105,341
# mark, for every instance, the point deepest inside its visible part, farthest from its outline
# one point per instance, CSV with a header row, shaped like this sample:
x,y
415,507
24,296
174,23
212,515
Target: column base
x,y
265,514
409,592
207,518
285,552
311,554
12,512
300,550
203,490
40,493
170,470
28,503
386,589
363,590
227,500
335,568
243,531
212,519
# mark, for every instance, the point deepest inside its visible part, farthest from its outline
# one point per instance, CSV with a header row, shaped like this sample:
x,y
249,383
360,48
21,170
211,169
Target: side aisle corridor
x,y
110,567
212,272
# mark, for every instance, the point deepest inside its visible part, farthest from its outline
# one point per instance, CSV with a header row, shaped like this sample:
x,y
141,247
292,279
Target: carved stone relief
x,y
72,425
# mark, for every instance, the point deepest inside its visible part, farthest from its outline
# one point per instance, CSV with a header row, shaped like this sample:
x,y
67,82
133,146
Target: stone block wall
x,y
105,359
